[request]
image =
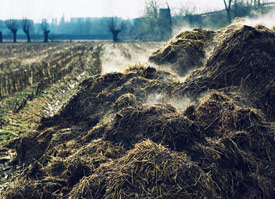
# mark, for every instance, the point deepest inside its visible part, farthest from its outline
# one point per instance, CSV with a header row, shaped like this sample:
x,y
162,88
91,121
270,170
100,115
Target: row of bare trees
x,y
13,25
114,25
26,24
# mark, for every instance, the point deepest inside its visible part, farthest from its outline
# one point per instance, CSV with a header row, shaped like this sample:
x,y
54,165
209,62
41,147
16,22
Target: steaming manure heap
x,y
184,52
109,141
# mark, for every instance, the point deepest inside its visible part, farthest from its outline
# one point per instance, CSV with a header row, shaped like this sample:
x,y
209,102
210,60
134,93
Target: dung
x,y
109,142
184,52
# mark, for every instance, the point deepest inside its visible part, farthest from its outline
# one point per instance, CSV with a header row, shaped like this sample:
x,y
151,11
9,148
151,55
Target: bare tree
x,y
1,37
151,9
115,27
257,3
227,5
13,26
26,26
150,28
46,30
251,3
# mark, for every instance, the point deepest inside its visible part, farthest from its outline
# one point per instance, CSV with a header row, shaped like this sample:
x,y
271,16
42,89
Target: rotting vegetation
x,y
184,52
107,143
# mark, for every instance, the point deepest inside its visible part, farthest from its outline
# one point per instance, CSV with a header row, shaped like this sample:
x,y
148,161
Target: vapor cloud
x,y
179,103
117,56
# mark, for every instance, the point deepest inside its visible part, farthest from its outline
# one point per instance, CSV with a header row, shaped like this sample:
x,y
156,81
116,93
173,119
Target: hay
x,y
106,142
149,171
28,190
184,52
103,93
159,123
125,101
58,171
244,60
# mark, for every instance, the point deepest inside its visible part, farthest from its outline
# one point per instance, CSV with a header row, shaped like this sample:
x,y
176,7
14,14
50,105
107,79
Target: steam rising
x,y
266,19
117,56
179,103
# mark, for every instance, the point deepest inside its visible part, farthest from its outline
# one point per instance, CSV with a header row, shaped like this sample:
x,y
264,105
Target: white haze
x,y
182,103
40,9
179,103
118,56
266,20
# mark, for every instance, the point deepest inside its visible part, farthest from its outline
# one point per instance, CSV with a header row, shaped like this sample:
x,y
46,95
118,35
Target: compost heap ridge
x,y
106,143
184,52
192,48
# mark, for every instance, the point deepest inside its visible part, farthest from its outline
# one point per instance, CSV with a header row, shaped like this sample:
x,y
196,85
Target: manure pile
x,y
184,52
109,141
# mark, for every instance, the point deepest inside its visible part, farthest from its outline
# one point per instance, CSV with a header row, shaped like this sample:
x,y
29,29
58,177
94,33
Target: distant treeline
x,y
221,18
156,24
57,37
98,28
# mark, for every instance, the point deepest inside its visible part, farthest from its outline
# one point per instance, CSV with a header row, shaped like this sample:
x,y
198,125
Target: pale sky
x,y
40,9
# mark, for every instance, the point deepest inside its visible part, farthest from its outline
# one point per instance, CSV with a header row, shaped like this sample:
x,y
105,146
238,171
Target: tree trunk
x,y
115,35
14,37
228,10
28,37
46,36
228,16
259,3
236,8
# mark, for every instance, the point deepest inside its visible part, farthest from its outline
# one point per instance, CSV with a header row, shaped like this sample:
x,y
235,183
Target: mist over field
x,y
137,99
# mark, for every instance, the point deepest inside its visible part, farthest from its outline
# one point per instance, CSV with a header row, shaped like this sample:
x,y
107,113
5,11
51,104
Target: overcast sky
x,y
39,9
